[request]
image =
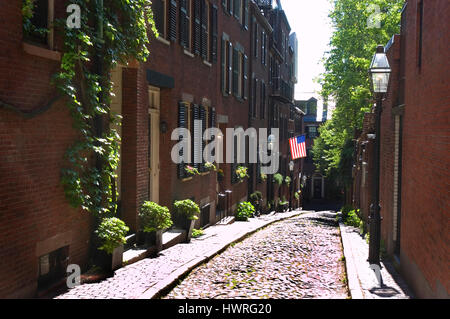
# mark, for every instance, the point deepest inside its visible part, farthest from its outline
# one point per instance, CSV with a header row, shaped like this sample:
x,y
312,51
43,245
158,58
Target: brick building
x,y
414,196
227,64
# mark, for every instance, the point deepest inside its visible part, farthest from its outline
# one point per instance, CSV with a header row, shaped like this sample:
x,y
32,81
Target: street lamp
x,y
291,169
380,72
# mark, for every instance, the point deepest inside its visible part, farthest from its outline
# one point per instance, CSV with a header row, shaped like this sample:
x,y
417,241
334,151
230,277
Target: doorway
x,y
154,98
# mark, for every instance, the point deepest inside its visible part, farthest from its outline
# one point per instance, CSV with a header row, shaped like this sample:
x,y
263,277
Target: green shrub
x,y
111,233
187,208
287,180
244,211
197,233
352,218
346,209
255,197
278,178
154,217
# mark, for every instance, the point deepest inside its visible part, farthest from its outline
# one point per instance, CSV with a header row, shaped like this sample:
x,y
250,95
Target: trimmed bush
x,y
154,217
111,233
244,211
187,208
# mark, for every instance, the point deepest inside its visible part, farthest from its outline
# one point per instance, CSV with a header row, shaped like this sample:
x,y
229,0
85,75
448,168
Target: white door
x,y
154,116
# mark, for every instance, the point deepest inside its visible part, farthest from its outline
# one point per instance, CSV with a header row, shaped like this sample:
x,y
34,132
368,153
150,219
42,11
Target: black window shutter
x,y
245,77
182,123
173,20
256,40
204,29
214,33
184,23
230,68
235,71
197,26
245,13
224,67
196,144
236,7
204,123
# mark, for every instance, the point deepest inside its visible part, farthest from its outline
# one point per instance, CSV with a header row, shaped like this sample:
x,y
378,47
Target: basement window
x,y
52,267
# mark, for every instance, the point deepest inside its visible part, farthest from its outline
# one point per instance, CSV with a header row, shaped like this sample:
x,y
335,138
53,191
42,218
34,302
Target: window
x,y
160,15
240,72
419,32
312,131
185,30
38,29
263,47
52,266
255,39
214,32
204,16
226,56
263,101
254,97
237,9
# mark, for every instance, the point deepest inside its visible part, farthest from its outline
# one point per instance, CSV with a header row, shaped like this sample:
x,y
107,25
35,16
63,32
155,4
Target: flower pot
x,y
110,262
154,238
189,227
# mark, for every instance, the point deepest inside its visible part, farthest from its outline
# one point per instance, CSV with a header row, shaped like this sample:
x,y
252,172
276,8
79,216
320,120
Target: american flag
x,y
298,147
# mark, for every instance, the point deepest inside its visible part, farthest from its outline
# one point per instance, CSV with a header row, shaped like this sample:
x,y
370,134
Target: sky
x,y
309,20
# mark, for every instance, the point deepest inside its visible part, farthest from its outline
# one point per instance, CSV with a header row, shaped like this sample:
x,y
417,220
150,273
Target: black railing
x,y
282,89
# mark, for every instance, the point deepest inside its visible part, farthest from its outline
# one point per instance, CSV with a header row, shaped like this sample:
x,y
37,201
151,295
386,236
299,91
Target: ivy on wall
x,y
110,33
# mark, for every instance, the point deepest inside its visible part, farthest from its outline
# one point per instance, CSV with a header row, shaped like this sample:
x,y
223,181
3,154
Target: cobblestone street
x,y
300,257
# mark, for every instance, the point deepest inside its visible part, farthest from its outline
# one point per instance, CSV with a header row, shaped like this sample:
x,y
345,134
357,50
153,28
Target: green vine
x,y
109,34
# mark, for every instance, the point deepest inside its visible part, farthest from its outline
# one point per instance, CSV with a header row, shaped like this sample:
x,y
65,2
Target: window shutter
x,y
182,123
197,26
256,40
245,18
263,48
184,24
214,32
254,104
230,6
224,67
245,77
230,68
173,20
204,124
204,29
196,131
236,7
235,71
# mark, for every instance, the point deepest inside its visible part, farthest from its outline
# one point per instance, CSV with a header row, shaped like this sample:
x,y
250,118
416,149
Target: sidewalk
x,y
362,280
150,277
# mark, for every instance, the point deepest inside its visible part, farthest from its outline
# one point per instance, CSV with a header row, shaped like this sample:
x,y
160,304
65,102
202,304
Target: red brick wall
x,y
35,217
426,155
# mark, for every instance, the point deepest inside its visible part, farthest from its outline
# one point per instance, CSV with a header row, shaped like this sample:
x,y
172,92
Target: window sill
x,y
207,63
189,54
41,52
162,40
204,173
186,179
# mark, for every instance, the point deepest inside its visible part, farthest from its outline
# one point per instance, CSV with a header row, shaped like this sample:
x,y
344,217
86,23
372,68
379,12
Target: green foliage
x,y
29,29
154,217
241,173
287,180
278,178
255,197
111,233
352,218
346,79
244,211
191,171
187,208
210,166
263,177
197,233
297,194
345,210
111,34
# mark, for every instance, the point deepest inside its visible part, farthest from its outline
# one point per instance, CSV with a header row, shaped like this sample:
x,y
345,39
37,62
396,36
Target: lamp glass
x,y
380,71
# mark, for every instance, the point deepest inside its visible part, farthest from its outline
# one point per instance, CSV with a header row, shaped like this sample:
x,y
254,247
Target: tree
x,y
359,26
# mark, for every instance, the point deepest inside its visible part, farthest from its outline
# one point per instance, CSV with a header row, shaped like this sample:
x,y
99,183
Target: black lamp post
x,y
380,72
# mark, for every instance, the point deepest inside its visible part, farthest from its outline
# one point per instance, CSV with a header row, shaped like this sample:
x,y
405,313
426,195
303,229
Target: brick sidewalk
x,y
147,278
362,281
